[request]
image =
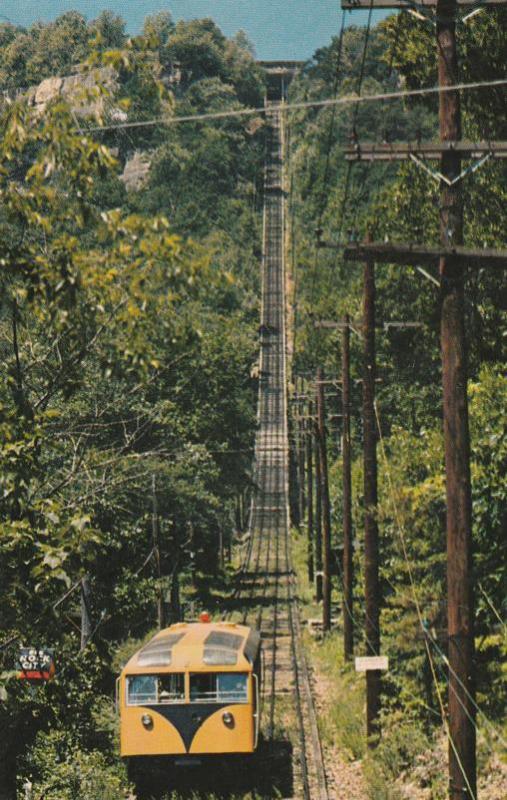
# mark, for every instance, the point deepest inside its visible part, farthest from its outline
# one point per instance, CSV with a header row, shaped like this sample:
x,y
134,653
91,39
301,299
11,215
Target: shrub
x,y
58,770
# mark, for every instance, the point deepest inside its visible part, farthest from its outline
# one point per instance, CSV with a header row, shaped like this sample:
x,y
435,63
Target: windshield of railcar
x,y
218,687
160,689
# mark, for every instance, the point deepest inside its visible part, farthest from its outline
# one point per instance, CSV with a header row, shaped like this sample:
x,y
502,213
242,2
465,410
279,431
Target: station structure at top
x,y
279,77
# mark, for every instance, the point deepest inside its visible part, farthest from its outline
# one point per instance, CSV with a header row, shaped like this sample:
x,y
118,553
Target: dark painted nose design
x,y
187,719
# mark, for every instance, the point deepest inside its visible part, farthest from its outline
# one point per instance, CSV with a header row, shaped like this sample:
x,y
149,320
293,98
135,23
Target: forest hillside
x,y
336,202
128,334
130,249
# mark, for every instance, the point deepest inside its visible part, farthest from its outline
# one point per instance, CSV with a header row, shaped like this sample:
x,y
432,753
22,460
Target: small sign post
x,y
367,663
37,664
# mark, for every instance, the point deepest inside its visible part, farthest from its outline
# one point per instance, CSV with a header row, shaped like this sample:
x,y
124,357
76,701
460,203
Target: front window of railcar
x,y
156,689
171,687
141,689
218,687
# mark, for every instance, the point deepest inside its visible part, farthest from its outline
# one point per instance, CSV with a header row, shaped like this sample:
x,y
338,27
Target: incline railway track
x,y
289,761
266,587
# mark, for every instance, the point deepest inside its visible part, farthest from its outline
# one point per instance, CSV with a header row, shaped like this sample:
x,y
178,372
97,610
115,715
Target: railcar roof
x,y
201,646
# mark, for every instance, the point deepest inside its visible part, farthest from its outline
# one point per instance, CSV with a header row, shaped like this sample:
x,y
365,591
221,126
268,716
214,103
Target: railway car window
x,y
171,688
142,689
232,686
218,687
203,686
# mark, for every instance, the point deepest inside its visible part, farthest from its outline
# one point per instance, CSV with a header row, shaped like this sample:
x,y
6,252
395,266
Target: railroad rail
x,y
266,588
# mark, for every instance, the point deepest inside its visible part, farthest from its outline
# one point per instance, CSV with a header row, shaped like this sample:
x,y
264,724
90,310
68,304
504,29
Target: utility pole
x,y
294,478
86,619
301,459
221,546
175,594
348,576
239,512
309,493
371,543
156,552
450,257
318,515
460,607
325,504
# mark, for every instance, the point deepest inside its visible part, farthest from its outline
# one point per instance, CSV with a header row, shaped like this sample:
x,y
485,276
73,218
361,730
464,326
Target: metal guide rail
x,y
266,589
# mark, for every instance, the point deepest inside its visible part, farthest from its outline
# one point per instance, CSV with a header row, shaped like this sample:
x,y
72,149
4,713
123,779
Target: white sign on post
x,y
367,663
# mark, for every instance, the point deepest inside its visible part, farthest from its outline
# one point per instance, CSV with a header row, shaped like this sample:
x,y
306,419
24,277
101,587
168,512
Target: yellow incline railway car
x,y
193,690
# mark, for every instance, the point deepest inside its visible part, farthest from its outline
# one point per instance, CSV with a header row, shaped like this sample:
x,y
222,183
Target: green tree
x,y
110,29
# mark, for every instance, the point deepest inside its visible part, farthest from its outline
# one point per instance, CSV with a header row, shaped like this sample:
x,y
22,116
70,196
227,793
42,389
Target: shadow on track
x,y
266,774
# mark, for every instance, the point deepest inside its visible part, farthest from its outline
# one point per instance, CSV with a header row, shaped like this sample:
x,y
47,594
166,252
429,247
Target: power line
x,y
53,606
329,144
354,123
492,607
479,710
340,101
427,639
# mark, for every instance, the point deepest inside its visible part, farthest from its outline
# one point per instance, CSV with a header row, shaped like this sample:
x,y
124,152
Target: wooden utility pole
x,y
301,459
460,613
318,515
156,553
294,470
348,576
451,257
326,508
371,543
86,618
221,546
239,512
309,492
176,615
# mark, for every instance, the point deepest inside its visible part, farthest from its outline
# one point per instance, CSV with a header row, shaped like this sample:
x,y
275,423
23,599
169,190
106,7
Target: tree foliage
x,y
400,203
127,329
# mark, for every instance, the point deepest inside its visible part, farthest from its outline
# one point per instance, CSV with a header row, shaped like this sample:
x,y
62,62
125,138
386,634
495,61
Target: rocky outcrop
x,y
90,96
89,93
135,173
48,90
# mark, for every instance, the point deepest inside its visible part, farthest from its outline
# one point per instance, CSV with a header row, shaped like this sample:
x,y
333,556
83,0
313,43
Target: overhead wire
x,y
401,534
65,596
353,133
327,163
359,624
491,725
425,632
493,607
53,606
440,652
363,185
413,586
345,100
335,106
427,639
359,85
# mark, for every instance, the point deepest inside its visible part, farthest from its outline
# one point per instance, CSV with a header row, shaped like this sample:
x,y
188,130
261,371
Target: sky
x,y
279,29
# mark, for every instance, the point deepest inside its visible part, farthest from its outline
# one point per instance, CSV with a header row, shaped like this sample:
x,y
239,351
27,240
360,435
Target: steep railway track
x,y
289,761
266,590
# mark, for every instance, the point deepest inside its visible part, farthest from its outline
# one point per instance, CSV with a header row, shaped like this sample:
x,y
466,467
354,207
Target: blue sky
x,y
291,29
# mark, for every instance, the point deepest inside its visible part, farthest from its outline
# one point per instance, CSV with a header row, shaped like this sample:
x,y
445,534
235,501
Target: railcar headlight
x,y
147,721
228,719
